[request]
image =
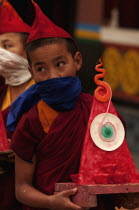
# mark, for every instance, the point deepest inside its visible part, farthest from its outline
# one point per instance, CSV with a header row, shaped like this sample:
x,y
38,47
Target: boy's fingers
x,y
75,207
69,192
71,205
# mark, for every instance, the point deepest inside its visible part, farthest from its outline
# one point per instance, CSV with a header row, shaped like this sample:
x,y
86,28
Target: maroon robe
x,y
58,152
7,180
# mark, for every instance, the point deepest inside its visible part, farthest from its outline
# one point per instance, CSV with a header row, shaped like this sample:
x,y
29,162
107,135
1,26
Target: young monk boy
x,y
52,117
49,137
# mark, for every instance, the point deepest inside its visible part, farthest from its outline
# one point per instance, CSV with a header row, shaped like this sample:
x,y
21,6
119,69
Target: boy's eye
x,y
6,46
59,64
41,69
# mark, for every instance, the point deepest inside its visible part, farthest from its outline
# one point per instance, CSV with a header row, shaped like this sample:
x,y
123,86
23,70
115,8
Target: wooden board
x,y
87,194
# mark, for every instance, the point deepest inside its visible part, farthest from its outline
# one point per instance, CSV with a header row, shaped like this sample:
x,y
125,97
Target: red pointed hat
x,y
10,20
43,27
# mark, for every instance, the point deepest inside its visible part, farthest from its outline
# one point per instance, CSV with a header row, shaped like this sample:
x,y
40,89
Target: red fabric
x,y
43,27
103,167
10,20
59,151
4,145
7,180
5,114
3,89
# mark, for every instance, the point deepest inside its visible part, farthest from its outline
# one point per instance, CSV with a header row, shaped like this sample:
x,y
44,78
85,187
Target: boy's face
x,y
13,43
54,61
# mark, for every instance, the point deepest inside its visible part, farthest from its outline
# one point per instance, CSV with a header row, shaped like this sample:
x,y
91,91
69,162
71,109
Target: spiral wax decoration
x,y
107,130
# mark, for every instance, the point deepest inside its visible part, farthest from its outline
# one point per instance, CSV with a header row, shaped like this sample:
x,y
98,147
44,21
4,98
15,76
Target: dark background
x,y
61,12
128,12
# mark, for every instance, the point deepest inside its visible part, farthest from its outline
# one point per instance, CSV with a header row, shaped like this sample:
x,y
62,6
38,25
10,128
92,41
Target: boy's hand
x,y
62,201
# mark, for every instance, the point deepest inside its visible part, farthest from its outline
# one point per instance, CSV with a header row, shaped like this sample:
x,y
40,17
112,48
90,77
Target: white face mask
x,y
13,68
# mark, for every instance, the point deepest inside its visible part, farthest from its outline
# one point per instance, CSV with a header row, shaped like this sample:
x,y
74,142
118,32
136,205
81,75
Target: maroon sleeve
x,y
27,135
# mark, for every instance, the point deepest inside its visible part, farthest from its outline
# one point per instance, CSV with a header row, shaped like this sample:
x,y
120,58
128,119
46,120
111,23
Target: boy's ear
x,y
78,60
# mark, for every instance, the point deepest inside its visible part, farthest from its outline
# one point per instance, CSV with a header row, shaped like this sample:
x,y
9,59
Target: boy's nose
x,y
53,74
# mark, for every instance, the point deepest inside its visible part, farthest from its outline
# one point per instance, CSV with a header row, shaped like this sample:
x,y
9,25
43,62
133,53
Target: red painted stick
x,y
4,145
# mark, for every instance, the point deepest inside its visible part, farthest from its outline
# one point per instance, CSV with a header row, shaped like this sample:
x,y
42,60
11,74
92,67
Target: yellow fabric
x,y
32,82
7,99
47,115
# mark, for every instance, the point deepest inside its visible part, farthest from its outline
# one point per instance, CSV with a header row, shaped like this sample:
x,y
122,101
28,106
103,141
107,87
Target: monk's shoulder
x,y
88,98
30,121
32,113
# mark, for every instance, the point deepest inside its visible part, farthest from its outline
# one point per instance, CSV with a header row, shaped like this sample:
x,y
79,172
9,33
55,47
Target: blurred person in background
x,y
14,72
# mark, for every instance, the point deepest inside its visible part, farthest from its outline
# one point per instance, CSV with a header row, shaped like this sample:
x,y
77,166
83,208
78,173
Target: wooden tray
x,y
87,194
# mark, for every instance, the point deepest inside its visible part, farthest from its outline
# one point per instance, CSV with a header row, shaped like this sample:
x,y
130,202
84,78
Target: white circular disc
x,y
114,122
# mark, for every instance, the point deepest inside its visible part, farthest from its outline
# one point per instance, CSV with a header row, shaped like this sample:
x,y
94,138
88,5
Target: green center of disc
x,y
107,131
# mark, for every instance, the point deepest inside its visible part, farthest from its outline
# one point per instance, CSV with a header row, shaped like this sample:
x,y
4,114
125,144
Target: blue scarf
x,y
59,93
